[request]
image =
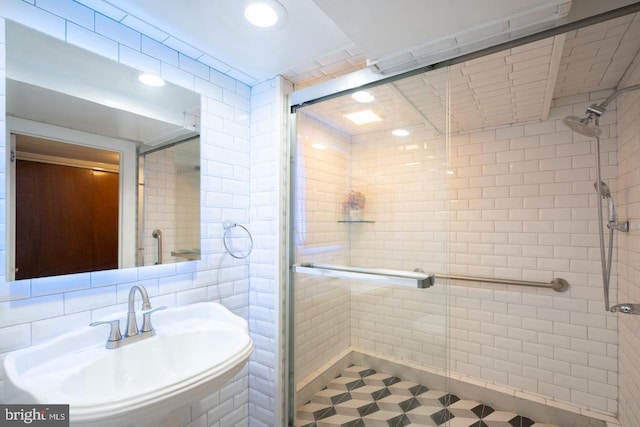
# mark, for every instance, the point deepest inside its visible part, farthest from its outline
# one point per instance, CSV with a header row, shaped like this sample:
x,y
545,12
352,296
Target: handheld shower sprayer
x,y
602,189
604,192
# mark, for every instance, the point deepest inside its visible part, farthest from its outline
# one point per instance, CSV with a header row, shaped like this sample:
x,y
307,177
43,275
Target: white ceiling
x,y
515,85
215,32
324,38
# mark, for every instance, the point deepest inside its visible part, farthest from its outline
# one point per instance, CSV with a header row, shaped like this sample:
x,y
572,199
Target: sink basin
x,y
196,349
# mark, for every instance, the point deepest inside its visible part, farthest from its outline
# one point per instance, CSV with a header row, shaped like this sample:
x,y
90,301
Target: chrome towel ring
x,y
228,228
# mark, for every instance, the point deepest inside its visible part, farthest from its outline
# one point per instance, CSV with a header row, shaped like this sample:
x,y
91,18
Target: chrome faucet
x,y
132,324
132,334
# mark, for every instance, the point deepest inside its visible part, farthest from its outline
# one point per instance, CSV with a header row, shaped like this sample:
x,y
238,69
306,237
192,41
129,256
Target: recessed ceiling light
x,y
264,13
400,132
319,146
150,79
363,117
362,97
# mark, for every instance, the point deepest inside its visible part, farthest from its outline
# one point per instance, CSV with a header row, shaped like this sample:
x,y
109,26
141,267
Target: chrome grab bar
x,y
557,284
419,278
157,234
394,277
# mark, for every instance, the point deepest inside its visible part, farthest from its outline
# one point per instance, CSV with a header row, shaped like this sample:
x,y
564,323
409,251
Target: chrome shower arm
x,y
601,108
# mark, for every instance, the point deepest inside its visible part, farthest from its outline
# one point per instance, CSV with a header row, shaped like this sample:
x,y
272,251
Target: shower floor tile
x,y
362,397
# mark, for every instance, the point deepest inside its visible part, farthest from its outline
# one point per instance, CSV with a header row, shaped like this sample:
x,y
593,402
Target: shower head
x,y
583,125
588,125
604,190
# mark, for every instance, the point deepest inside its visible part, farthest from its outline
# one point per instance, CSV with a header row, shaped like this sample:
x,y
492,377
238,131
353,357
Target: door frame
x,y
127,198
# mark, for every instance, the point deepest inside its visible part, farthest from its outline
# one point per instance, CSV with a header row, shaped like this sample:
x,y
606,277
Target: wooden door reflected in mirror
x,y
66,215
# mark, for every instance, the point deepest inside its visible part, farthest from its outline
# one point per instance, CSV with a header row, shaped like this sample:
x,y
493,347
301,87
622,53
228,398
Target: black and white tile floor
x,y
361,397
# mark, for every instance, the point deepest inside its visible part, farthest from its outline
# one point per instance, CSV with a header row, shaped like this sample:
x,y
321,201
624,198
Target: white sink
x,y
196,349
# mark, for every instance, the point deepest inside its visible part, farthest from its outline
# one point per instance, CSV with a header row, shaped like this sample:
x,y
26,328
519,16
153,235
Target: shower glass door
x,y
370,197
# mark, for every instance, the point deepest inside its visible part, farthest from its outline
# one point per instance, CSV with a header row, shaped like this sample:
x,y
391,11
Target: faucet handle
x,y
146,319
114,333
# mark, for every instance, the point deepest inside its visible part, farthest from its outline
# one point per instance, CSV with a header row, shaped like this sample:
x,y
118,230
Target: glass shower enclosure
x,y
369,224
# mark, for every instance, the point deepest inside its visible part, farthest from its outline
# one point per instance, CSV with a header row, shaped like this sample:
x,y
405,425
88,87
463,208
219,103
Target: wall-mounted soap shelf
x,y
190,254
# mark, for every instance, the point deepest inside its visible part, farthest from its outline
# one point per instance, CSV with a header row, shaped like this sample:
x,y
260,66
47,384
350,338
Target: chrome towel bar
x,y
394,277
415,278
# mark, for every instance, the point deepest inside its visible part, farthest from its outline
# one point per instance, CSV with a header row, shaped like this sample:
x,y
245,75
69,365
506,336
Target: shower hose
x,y
606,262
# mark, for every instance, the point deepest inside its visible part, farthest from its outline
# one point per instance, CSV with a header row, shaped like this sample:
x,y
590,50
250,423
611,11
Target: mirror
x,y
76,120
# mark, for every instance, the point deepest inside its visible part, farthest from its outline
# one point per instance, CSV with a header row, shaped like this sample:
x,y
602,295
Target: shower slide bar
x,y
394,277
419,279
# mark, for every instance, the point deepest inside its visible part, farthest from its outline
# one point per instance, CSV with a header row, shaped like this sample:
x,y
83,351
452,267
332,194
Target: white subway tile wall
x,y
628,206
540,213
405,183
33,311
527,212
268,269
171,195
159,204
322,309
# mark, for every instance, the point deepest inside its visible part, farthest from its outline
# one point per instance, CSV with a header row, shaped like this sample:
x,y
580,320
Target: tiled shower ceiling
x,y
515,85
596,57
512,86
470,40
